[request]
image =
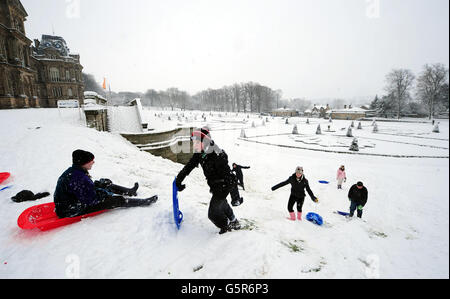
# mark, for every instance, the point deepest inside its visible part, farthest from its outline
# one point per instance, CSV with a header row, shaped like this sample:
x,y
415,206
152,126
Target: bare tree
x,y
151,97
430,84
237,96
399,83
278,95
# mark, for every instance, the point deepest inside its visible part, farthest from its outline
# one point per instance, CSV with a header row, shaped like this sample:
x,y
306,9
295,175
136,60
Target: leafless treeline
x,y
243,97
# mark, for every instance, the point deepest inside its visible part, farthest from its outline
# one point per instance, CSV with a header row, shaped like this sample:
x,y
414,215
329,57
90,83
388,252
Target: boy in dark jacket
x,y
214,162
240,176
76,194
358,197
298,185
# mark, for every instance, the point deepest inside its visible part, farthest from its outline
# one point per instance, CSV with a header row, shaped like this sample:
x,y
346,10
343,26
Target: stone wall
x,y
174,145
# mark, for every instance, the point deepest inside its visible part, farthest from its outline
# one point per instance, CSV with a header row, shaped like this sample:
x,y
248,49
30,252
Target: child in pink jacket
x,y
341,176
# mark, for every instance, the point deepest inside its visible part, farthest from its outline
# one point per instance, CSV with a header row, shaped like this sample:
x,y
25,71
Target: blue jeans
x,y
353,207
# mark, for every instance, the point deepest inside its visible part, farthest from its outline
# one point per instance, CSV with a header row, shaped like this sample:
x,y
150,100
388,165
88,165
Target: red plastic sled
x,y
4,176
44,218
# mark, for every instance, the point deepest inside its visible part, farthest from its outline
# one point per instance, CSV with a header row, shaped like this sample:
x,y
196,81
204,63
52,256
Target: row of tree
x,y
243,97
428,94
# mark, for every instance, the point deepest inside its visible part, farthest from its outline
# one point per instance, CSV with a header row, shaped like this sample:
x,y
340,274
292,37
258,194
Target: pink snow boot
x,y
299,216
291,216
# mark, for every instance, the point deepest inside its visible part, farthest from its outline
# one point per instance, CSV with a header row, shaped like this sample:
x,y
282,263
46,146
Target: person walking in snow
x,y
298,185
341,176
240,176
357,195
76,194
220,179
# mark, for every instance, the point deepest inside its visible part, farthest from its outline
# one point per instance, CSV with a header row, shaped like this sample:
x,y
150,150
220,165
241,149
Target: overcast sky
x,y
307,48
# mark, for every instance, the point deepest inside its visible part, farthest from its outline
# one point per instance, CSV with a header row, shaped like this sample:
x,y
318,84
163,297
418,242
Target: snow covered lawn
x,y
404,232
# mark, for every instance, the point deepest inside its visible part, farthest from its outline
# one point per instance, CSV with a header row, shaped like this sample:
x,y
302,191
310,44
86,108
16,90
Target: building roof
x,y
283,110
321,106
350,110
93,94
53,42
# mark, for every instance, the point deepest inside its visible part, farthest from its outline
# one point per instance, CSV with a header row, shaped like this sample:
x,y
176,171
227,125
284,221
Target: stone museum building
x,y
38,75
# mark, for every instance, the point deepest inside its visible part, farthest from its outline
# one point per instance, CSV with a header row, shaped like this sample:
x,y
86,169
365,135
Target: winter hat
x,y
299,170
80,157
359,184
201,134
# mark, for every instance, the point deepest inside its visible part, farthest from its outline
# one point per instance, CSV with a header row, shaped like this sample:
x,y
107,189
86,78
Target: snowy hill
x,y
404,232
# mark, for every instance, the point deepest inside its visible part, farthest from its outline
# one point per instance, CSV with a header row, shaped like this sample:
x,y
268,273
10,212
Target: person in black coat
x,y
298,185
240,176
357,195
76,194
220,179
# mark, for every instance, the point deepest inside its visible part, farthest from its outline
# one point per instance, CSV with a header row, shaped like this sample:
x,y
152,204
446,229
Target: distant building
x,y
284,112
35,76
59,72
349,113
318,111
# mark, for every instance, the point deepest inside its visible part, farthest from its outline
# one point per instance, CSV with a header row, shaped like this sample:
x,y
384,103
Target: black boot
x,y
124,191
138,202
234,224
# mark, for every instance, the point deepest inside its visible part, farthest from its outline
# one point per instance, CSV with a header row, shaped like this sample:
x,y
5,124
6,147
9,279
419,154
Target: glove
x,y
103,183
360,207
316,200
180,186
345,180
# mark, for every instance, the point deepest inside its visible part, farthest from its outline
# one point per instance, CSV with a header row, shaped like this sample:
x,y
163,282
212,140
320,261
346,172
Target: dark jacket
x,y
74,192
358,196
297,187
238,170
215,168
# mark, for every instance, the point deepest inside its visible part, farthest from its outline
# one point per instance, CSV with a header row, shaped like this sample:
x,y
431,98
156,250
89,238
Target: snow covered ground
x,y
404,232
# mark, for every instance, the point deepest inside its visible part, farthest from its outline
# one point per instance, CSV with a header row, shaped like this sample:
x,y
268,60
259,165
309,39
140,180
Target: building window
x,y
2,47
54,74
57,92
70,92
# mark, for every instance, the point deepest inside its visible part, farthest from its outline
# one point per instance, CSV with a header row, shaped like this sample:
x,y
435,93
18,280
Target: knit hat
x,y
359,184
201,134
80,157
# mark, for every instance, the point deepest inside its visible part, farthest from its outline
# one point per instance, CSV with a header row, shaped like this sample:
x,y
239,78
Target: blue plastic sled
x,y
177,215
314,218
343,213
324,182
